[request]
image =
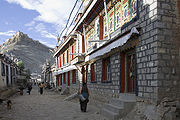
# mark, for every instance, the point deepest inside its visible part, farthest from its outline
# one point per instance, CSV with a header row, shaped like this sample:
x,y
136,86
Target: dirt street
x,y
49,106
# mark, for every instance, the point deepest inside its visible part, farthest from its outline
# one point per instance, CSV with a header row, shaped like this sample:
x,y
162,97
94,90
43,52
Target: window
x,y
101,28
83,44
63,59
106,70
57,62
60,60
2,69
93,73
67,56
72,51
74,76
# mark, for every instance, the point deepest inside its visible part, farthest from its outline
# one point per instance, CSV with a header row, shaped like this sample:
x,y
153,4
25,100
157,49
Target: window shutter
x,y
83,44
92,73
57,62
122,72
60,60
63,59
104,70
72,51
101,28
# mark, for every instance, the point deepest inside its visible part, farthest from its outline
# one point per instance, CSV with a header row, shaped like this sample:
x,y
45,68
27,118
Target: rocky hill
x,y
33,53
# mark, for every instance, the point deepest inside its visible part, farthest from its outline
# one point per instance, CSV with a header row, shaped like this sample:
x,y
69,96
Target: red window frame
x,y
72,51
122,72
104,70
57,62
105,63
83,44
67,56
60,60
92,73
63,58
101,28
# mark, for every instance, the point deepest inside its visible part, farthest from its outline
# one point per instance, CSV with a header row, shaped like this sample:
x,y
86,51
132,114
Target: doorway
x,y
128,72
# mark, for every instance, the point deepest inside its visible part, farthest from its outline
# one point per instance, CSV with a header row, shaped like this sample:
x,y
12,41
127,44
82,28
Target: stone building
x,y
130,50
8,71
47,73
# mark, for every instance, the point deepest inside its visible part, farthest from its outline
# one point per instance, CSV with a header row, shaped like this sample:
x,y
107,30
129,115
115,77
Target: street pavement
x,y
49,106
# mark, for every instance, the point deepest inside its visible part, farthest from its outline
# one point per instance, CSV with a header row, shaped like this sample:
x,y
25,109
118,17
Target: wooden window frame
x,y
60,61
63,59
93,73
83,44
67,53
106,70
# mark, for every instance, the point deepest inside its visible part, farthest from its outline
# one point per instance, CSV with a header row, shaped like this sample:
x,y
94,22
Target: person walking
x,y
29,88
85,93
41,86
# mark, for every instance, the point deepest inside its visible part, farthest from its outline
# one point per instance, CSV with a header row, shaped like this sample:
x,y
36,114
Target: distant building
x,y
8,71
47,73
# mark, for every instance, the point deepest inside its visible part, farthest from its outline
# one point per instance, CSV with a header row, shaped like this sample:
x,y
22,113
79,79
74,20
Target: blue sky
x,y
42,20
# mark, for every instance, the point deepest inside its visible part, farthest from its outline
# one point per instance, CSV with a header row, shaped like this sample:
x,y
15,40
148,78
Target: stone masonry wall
x,y
146,54
168,50
74,87
103,92
157,54
146,50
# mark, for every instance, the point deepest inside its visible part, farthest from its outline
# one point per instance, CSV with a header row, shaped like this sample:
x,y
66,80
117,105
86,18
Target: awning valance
x,y
66,69
115,44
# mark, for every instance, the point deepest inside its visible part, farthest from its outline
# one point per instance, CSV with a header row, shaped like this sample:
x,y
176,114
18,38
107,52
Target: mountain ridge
x,y
33,53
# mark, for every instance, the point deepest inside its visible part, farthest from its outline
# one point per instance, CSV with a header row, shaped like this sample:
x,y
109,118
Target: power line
x,y
75,16
69,18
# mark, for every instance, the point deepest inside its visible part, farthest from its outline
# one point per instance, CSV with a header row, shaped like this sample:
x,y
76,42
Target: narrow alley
x,y
49,106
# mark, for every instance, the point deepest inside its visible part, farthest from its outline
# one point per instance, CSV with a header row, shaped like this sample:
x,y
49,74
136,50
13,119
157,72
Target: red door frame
x,y
122,72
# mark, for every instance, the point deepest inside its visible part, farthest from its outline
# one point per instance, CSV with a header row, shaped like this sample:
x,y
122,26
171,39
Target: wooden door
x,y
131,68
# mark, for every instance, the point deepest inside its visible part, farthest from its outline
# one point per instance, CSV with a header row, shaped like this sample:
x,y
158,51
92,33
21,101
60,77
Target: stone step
x,y
127,97
112,108
109,114
117,102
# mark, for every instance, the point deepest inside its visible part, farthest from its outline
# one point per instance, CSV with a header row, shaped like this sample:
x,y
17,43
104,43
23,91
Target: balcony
x,y
78,59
